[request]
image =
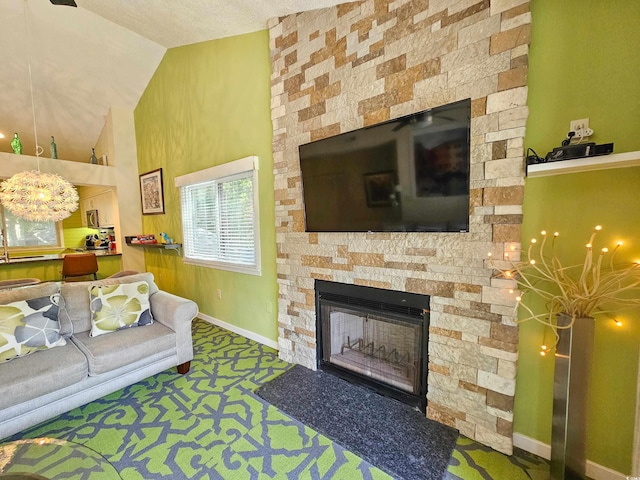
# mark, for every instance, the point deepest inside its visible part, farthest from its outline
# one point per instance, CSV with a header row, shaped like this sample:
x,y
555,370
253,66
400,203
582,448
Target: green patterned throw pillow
x,y
114,307
29,325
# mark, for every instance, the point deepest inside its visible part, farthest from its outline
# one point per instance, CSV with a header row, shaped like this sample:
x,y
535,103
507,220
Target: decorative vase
x,y
54,148
94,159
570,398
16,144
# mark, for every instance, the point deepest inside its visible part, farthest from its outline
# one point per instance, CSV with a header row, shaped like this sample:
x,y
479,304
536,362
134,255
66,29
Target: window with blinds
x,y
219,216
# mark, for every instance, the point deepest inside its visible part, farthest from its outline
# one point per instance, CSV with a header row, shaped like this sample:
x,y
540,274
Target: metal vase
x,y
570,398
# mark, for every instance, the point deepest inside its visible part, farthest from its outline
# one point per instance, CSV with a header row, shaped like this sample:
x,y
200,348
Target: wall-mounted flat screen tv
x,y
410,174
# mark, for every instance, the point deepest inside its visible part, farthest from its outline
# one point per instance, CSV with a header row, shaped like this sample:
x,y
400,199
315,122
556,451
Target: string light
x,y
577,290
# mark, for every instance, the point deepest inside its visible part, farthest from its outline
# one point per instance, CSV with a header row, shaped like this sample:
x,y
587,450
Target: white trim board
x,y
594,471
240,331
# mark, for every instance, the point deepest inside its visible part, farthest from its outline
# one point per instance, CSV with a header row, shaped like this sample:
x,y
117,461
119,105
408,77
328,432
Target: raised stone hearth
x,y
338,69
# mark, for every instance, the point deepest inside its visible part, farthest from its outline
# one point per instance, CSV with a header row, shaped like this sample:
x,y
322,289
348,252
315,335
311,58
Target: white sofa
x,y
46,383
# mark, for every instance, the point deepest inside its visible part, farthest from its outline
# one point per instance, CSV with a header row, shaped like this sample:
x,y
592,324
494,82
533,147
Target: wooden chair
x,y
79,265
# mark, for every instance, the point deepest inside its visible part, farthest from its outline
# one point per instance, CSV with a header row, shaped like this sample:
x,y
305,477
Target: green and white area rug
x,y
209,424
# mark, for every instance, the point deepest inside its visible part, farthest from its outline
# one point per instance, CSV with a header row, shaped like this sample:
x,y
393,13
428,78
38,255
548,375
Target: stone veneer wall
x,y
338,69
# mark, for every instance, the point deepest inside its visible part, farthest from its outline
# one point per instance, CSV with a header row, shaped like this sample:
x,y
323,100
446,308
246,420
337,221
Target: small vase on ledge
x,y
571,398
54,148
94,159
16,144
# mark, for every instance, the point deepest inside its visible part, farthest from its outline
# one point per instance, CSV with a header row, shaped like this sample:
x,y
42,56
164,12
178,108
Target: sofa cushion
x,y
123,347
27,326
75,306
44,372
114,307
36,291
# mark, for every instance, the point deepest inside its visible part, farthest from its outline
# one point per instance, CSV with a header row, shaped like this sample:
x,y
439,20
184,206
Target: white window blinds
x,y
219,217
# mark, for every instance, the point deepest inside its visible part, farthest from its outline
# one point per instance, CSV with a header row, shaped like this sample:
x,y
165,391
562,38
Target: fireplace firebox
x,y
374,337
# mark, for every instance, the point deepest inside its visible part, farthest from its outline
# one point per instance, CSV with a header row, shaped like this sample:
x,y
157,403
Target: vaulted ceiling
x,y
103,53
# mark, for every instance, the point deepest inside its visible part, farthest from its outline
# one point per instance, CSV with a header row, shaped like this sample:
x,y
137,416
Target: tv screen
x,y
410,174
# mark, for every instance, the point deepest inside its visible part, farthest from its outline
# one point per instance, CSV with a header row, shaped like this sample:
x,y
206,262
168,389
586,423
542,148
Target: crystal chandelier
x,y
34,195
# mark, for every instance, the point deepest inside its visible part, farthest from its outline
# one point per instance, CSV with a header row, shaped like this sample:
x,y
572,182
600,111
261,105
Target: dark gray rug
x,y
387,433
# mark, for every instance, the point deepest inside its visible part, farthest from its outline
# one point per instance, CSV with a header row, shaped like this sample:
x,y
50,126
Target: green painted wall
x,y
208,104
584,63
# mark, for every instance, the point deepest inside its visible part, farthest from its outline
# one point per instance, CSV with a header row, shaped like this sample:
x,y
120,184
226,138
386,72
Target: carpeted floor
x,y
209,424
389,434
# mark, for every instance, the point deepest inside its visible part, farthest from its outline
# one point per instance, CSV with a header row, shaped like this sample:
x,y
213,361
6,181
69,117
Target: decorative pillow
x,y
114,307
29,325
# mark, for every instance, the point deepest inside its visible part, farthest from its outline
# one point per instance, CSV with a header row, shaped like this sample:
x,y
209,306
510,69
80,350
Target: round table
x,y
53,459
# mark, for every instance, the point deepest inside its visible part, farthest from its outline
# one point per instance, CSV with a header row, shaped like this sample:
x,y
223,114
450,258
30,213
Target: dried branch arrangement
x,y
597,286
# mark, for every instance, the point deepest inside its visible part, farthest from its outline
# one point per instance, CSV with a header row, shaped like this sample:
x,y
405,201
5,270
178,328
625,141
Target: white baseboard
x,y
240,331
595,471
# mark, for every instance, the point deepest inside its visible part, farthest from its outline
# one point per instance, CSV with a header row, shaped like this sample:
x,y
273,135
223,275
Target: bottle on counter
x,y
54,148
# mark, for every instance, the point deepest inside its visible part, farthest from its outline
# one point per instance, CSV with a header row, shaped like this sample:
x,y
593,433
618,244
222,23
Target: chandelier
x,y
40,197
34,195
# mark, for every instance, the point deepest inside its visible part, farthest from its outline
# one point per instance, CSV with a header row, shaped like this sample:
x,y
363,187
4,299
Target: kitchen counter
x,y
48,267
54,256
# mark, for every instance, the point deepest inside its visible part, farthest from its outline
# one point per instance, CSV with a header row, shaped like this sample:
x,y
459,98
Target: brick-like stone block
x,y
503,195
504,333
372,283
500,401
501,101
509,39
506,233
428,287
516,77
472,387
394,65
442,414
491,381
499,150
441,369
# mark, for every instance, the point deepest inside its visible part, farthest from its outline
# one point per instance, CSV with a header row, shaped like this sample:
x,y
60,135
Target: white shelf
x,y
587,164
162,246
77,173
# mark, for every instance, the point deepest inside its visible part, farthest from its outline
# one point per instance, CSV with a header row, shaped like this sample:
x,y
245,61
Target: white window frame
x,y
31,248
220,173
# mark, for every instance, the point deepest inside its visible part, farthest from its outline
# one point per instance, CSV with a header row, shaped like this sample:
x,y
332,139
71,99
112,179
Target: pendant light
x,y
35,195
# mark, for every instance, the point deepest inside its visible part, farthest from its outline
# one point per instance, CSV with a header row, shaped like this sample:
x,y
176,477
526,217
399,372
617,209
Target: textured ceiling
x,y
103,53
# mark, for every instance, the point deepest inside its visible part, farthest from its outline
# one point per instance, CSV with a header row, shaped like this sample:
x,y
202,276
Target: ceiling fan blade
x,y
70,3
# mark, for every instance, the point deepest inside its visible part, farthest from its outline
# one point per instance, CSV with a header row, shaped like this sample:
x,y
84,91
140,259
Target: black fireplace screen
x,y
374,346
376,337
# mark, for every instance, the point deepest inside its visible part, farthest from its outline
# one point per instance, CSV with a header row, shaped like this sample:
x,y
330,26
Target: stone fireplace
x,y
338,69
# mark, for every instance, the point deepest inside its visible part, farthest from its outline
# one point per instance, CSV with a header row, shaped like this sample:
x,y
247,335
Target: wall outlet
x,y
219,294
581,128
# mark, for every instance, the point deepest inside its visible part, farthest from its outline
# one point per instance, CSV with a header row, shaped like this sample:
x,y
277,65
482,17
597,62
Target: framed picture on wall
x,y
380,188
151,192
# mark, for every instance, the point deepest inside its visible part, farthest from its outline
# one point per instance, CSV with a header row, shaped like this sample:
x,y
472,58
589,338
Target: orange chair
x,y
79,265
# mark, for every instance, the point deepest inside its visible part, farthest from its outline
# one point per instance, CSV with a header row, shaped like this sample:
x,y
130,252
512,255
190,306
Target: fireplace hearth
x,y
374,337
